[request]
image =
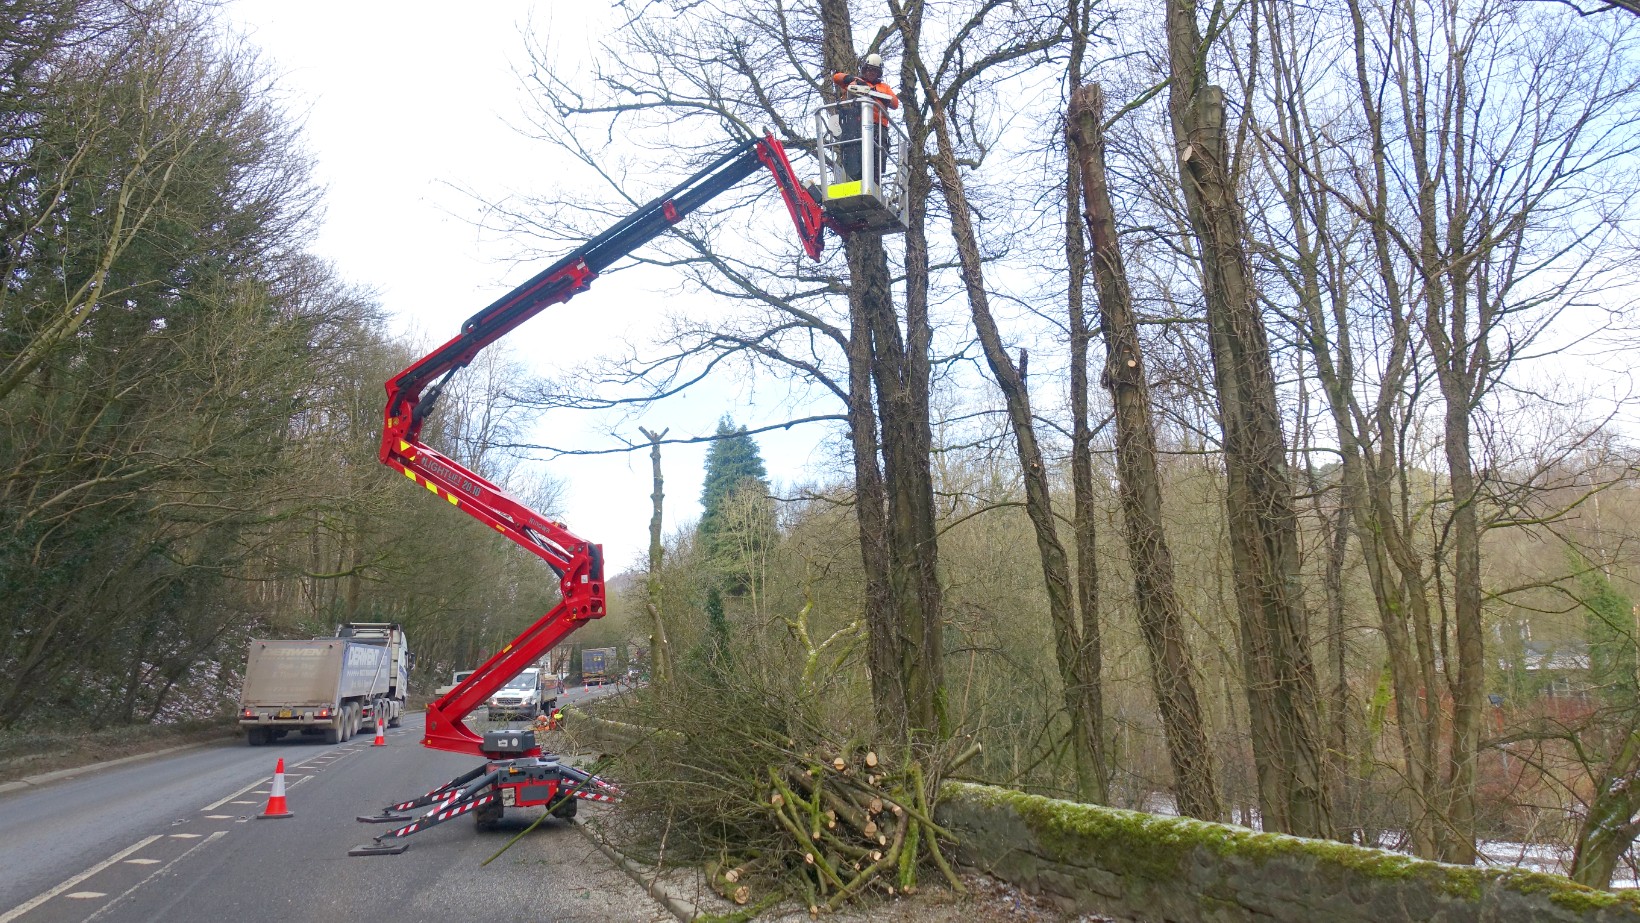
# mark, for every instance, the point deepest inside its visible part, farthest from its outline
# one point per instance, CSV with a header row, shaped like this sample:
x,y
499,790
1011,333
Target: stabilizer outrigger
x,y
486,791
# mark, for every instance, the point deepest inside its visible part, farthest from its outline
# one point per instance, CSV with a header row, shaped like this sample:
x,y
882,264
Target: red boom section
x,y
412,393
578,563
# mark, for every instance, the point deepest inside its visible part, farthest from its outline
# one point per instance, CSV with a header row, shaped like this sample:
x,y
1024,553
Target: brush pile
x,y
851,824
763,776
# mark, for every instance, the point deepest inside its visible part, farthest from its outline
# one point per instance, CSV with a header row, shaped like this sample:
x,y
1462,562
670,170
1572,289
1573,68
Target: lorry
x,y
328,687
400,660
597,665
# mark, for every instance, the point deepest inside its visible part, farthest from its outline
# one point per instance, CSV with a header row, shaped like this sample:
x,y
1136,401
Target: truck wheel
x,y
566,811
487,816
256,737
395,721
333,735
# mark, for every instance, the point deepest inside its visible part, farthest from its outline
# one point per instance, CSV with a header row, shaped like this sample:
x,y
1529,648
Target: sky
x,y
410,109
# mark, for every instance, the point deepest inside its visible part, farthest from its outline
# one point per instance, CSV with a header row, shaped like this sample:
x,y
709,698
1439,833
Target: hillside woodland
x,y
1243,426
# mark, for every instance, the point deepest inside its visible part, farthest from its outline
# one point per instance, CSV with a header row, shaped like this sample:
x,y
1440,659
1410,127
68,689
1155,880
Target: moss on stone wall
x,y
1146,850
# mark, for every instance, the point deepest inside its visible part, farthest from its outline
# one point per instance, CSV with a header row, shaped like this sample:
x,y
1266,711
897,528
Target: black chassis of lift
x,y
481,788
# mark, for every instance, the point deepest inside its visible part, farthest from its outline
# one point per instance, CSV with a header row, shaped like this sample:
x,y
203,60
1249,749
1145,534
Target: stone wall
x,y
1093,859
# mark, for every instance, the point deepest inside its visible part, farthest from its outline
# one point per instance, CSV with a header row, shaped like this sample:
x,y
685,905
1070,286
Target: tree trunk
x,y
1609,828
660,649
1084,503
894,500
1161,618
1280,679
1038,507
907,433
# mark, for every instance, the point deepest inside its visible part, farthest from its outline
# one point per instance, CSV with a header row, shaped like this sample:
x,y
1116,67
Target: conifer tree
x,y
737,518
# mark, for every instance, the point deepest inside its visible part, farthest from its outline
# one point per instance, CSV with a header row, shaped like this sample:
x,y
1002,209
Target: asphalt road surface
x,y
176,839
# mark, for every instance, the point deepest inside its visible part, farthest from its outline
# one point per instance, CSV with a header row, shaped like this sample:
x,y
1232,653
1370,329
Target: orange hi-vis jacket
x,y
844,81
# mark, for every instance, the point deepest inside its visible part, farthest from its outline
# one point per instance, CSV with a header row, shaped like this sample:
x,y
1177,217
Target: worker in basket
x,y
868,85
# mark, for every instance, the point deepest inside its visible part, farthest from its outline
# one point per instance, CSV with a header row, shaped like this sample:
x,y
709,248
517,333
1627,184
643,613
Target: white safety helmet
x,y
874,60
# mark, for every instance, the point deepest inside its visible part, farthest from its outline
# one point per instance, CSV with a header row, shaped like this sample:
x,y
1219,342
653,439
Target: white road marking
x,y
142,862
263,781
30,905
217,804
219,817
186,836
104,908
86,895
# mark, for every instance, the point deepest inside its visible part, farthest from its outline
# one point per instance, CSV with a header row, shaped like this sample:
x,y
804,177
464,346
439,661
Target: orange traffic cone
x,y
276,795
381,738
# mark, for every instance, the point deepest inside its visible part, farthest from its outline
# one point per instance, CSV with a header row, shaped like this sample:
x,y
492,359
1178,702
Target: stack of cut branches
x,y
766,775
851,824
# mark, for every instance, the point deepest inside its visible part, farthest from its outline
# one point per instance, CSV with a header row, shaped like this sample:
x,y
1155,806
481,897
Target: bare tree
x,y
1011,379
1434,229
660,648
1280,679
1160,612
1085,505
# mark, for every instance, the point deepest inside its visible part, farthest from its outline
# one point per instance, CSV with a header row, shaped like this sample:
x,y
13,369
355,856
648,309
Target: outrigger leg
x,y
453,799
393,813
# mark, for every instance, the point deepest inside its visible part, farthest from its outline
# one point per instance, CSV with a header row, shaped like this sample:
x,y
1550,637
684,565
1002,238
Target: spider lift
x,y
517,773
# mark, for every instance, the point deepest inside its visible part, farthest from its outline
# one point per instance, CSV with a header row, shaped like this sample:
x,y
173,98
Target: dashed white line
x,y
30,905
104,908
217,804
142,862
86,895
262,781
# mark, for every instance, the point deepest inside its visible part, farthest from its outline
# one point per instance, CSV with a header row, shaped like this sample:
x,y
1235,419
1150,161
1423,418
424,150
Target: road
x,y
176,839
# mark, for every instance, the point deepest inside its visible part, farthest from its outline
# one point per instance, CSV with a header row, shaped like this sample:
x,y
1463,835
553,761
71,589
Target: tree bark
x,y
1280,678
1161,620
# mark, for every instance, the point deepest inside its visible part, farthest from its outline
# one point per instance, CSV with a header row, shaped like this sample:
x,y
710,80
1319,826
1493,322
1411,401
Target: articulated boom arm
x,y
412,394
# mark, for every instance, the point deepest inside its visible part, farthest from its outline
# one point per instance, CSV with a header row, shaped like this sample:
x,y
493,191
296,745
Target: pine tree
x,y
737,519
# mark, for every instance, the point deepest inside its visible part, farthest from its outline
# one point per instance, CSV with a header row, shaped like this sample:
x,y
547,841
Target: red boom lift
x,y
517,774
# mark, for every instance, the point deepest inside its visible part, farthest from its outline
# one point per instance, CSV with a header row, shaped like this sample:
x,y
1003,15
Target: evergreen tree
x,y
1614,660
737,520
730,463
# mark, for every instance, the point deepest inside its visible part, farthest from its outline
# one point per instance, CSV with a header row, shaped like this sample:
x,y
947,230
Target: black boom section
x,y
632,232
571,273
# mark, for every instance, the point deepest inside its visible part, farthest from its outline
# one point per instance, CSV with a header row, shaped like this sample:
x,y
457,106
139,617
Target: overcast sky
x,y
405,105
